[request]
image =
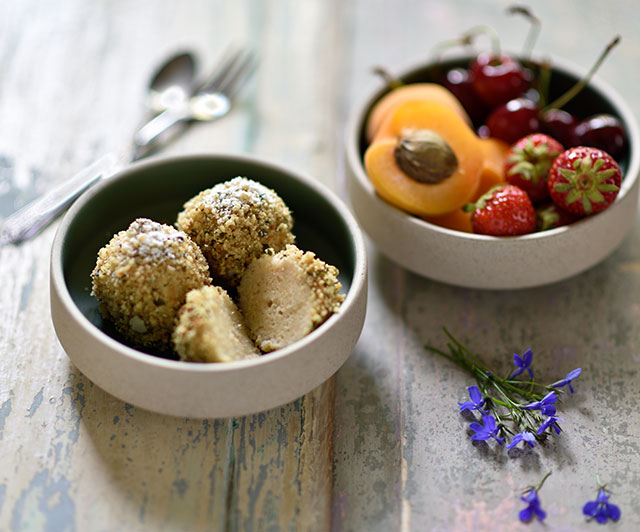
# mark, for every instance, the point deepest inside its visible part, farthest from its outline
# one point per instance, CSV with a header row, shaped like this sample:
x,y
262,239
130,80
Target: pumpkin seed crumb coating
x,y
234,223
141,279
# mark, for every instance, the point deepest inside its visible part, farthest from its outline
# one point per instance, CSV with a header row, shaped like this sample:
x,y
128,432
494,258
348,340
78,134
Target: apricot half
x,y
457,220
494,154
398,188
428,92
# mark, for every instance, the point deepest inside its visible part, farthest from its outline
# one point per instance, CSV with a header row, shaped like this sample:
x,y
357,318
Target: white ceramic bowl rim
x,y
357,281
359,115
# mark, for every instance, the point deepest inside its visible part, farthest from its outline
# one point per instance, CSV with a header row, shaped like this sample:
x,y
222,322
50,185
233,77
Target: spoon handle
x,y
35,216
159,124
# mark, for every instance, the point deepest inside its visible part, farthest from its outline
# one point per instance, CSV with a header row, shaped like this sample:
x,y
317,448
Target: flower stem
x,y
539,485
506,398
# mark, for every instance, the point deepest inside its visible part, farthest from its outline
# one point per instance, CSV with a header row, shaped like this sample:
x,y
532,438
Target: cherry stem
x,y
450,43
470,34
391,81
441,47
544,80
534,30
562,100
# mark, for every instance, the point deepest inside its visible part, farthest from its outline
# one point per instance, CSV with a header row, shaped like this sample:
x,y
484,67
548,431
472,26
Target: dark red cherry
x,y
460,82
498,79
561,126
513,120
602,131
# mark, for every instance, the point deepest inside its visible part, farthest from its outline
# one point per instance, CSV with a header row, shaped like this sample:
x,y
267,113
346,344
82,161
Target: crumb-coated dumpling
x,y
211,329
284,296
142,277
233,223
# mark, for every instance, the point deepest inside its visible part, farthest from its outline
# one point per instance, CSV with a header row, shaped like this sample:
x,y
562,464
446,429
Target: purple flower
x,y
522,362
486,431
601,509
572,375
551,421
546,405
525,436
533,507
477,401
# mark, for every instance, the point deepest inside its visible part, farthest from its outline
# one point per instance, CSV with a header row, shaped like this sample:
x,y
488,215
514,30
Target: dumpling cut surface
x,y
234,223
285,295
211,329
141,279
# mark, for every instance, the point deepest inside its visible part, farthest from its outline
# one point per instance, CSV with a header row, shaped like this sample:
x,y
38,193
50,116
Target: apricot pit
x,y
425,156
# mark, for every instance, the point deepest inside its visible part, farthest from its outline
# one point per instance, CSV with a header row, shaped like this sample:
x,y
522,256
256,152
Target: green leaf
x,y
605,174
608,187
574,195
563,187
585,165
586,205
523,167
567,174
595,196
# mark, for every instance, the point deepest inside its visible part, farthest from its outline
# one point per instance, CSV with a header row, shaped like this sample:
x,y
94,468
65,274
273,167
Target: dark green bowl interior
x,y
590,101
158,191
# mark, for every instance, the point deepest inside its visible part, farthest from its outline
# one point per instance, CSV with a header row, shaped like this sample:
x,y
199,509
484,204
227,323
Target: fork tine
x,y
243,69
226,64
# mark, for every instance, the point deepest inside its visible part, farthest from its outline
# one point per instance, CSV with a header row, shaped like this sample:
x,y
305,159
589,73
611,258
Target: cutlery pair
x,y
212,100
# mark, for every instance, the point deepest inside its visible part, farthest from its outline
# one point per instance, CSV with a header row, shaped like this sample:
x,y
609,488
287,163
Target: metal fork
x,y
211,101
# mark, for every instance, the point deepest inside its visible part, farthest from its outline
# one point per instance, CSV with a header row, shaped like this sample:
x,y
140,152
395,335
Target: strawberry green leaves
x,y
528,163
584,180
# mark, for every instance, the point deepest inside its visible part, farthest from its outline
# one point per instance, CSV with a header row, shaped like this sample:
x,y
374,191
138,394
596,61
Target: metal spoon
x,y
211,101
172,83
170,87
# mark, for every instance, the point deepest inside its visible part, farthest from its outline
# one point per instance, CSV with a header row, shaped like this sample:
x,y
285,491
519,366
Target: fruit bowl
x,y
157,189
489,262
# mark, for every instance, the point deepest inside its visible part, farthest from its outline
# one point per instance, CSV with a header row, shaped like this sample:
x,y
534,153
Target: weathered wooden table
x,y
381,446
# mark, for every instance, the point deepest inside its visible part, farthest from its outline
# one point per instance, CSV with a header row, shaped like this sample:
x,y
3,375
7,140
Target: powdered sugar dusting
x,y
150,241
239,194
141,279
233,223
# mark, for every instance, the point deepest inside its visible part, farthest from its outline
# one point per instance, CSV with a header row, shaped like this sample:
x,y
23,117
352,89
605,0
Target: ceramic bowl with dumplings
x,y
486,262
157,189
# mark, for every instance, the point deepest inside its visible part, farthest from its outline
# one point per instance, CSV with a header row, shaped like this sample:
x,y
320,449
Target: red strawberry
x,y
505,210
584,180
528,162
550,215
